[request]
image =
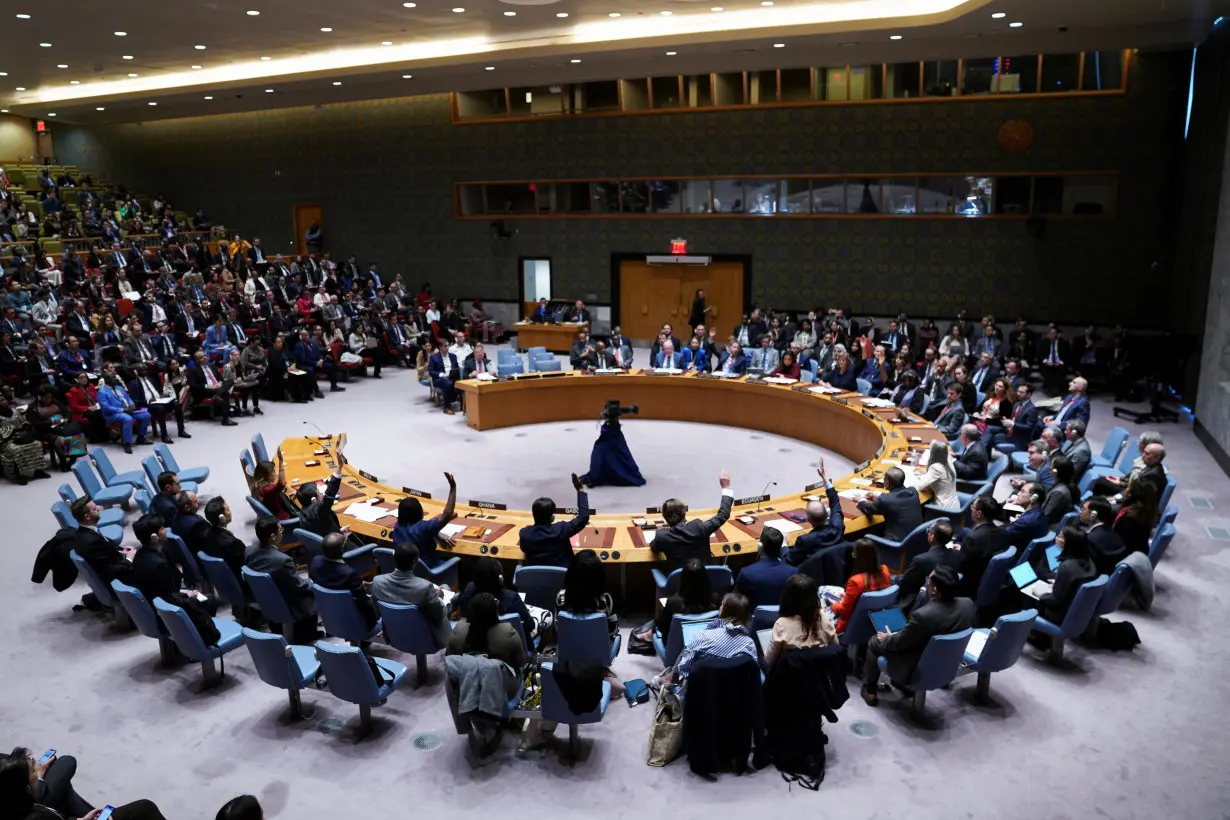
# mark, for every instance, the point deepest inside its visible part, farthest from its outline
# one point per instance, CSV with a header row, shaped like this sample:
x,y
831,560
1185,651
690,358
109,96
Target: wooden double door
x,y
653,295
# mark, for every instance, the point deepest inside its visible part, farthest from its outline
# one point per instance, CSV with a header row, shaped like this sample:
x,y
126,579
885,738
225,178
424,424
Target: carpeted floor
x,y
1129,735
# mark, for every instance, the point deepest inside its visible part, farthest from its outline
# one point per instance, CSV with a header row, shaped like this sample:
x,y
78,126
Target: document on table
x,y
648,535
668,370
780,380
826,391
782,525
368,512
608,371
485,377
878,403
453,530
853,495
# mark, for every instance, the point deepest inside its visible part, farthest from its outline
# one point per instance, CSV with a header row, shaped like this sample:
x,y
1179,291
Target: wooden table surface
x,y
861,435
556,338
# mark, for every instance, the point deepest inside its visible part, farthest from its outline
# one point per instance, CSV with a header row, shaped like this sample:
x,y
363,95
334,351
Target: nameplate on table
x,y
754,499
801,388
870,414
817,486
522,376
706,376
841,401
325,436
416,493
863,466
368,476
658,510
488,505
577,511
553,375
880,451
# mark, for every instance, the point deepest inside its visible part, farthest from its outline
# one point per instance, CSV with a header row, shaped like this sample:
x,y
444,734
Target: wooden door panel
x,y
304,216
653,295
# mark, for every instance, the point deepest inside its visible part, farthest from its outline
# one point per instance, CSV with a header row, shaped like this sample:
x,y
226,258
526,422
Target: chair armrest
x,y
884,542
659,579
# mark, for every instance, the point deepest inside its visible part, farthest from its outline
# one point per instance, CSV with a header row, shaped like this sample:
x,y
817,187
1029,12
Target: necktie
x,y
150,392
1055,352
209,376
145,354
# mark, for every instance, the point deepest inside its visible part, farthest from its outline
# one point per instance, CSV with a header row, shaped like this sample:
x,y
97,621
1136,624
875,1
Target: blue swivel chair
x,y
1168,517
112,516
112,532
191,645
763,617
721,581
555,706
197,475
288,525
1034,547
1004,643
509,368
549,365
246,460
350,679
225,584
285,666
95,491
104,593
312,543
1118,585
153,467
585,638
914,544
958,515
109,476
532,353
1160,543
993,578
1076,620
385,562
936,668
539,585
269,599
670,649
1115,442
178,552
860,629
406,630
864,386
143,499
259,450
443,573
144,618
341,617
506,354
514,620
1167,492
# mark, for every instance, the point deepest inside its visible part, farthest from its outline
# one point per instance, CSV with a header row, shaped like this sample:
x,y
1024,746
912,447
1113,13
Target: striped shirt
x,y
720,639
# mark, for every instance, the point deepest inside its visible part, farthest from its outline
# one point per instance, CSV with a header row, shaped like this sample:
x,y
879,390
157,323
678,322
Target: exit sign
x,y
679,246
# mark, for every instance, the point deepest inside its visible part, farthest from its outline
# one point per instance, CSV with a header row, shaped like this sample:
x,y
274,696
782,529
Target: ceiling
x,y
386,48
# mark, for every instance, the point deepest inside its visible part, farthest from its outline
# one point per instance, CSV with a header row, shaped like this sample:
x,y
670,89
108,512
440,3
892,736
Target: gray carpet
x,y
1129,735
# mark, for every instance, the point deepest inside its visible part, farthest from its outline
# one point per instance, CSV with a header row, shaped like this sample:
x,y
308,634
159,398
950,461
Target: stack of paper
x,y
608,371
485,377
452,530
780,380
667,370
878,403
367,511
782,525
826,391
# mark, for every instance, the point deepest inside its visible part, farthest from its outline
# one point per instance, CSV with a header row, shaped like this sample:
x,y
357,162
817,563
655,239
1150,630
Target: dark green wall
x,y
384,172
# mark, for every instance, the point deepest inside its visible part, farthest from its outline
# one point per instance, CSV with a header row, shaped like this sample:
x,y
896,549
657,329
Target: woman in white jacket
x,y
940,477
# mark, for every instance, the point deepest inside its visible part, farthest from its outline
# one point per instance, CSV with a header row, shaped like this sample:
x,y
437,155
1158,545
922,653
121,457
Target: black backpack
x,y
1117,635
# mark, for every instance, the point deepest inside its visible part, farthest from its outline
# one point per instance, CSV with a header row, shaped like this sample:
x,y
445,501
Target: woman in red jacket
x,y
869,575
82,406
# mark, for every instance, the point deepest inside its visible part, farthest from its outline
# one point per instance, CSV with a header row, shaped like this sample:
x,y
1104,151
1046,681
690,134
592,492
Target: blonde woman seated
x,y
801,622
940,478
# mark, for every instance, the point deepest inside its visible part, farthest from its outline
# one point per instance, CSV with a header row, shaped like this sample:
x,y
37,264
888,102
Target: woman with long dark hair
x,y
1061,497
31,790
801,623
869,575
488,578
694,596
482,632
584,589
1076,567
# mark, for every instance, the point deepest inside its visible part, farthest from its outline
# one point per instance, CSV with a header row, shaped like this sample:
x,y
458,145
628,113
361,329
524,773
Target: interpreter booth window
x,y
863,196
964,196
697,197
728,196
828,196
536,279
511,198
795,196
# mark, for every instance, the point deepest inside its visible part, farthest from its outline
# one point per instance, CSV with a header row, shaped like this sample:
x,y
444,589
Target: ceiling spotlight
x,y
717,8
562,14
196,68
153,103
23,17
1015,25
666,13
74,82
386,42
121,34
407,76
779,45
268,90
5,110
253,13
21,88
4,74
337,82
895,37
100,108
671,53
209,98
489,68
199,47
126,57
326,29
574,61
999,15
132,75
767,3
266,59
459,10
52,114
613,14
510,14
62,65
45,45
409,5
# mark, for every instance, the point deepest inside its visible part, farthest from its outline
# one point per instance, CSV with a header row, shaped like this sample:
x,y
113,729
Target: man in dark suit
x,y
477,362
316,512
217,541
163,503
828,524
763,581
187,524
72,359
157,577
939,553
951,415
985,374
578,313
1076,448
265,556
898,504
1024,419
188,325
331,571
980,544
1075,405
444,371
256,254
580,355
1052,355
543,312
602,359
205,384
108,560
682,539
943,614
732,360
971,465
547,543
1105,544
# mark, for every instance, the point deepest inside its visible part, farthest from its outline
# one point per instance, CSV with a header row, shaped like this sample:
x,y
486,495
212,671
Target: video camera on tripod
x,y
613,410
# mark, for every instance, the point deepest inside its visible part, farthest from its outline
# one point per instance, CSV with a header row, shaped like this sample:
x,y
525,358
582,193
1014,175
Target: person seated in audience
x,y
971,464
801,622
842,375
1037,467
668,357
1032,523
875,370
205,384
33,790
788,366
898,504
187,524
762,582
980,544
732,360
547,543
1075,405
1063,494
266,556
425,533
1076,567
985,373
951,415
1018,427
157,577
310,358
693,596
953,346
765,357
584,590
220,542
1137,516
969,395
940,478
330,570
477,363
1114,484
1106,547
402,586
868,575
244,807
149,393
109,561
940,552
682,539
444,371
696,357
82,400
581,351
942,613
117,406
488,579
908,395
482,633
217,343
1077,448
996,407
725,637
71,360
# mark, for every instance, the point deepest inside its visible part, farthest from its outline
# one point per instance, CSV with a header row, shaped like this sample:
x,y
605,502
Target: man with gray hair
x,y
1076,448
1115,483
828,525
972,464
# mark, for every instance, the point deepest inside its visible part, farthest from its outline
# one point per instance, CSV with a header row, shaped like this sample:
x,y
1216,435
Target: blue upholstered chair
x,y
178,553
1160,543
341,616
936,668
721,581
246,460
312,543
269,598
1111,450
285,666
1167,492
190,644
145,619
113,516
104,593
112,532
864,386
859,628
548,366
585,638
109,476
914,544
225,584
763,617
1004,643
506,354
259,450
143,499
1035,547
1077,618
385,563
1168,517
1118,585
197,475
539,585
514,620
957,515
669,649
152,468
407,630
531,354
509,368
288,525
993,577
443,573
555,706
94,489
350,679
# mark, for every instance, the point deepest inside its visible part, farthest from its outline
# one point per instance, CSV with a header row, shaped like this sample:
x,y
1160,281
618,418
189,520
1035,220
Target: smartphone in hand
x,y
47,755
106,813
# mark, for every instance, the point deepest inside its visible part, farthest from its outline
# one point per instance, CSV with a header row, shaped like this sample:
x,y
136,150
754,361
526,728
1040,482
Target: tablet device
x,y
765,636
1052,556
1023,575
691,629
890,619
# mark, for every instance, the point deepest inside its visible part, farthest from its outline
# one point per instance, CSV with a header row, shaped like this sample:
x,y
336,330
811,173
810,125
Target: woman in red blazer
x,y
81,398
869,575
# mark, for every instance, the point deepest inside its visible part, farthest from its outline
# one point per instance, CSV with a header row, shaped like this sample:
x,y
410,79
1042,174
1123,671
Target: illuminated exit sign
x,y
679,246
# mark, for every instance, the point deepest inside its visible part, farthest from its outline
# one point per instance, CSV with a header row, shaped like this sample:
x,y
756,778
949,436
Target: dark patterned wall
x,y
384,173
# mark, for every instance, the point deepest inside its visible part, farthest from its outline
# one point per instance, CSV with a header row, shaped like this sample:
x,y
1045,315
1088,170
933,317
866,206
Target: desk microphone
x,y
322,432
765,491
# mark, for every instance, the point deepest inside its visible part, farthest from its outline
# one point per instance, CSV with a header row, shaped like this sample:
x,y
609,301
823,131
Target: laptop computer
x,y
1052,556
890,619
1026,581
691,629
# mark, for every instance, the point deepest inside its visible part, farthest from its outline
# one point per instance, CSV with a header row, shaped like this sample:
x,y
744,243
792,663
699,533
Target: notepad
x,y
667,370
485,377
826,391
862,482
977,642
452,530
765,636
889,619
782,525
648,535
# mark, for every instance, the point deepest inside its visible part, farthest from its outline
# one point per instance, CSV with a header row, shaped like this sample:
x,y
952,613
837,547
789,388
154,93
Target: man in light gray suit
x,y
402,586
766,356
1077,448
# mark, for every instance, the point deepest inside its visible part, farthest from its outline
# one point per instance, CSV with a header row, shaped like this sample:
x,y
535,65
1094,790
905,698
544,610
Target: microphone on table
x,y
322,432
765,491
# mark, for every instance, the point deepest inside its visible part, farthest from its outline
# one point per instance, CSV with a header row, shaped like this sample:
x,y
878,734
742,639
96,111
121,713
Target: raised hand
x,y
576,483
724,478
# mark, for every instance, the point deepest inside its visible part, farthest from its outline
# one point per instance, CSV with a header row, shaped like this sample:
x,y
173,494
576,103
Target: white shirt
x,y
433,316
461,351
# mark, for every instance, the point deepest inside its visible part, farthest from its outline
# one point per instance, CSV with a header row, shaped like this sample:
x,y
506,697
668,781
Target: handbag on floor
x,y
636,646
666,732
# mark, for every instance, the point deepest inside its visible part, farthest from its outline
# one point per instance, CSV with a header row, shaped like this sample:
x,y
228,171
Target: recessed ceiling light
x,y
23,17
407,76
121,34
510,14
253,13
45,45
268,90
613,14
409,5
895,37
671,53
62,65
4,74
74,82
490,68
153,103
266,59
779,45
1015,25
196,68
100,108
574,61
209,98
21,88
326,29
999,15
386,42
199,47
126,57
52,114
458,10
4,110
717,8
767,3
562,14
132,75
337,82
666,13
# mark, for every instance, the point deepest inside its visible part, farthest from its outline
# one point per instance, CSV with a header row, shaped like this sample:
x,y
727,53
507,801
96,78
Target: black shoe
x,y
318,395
168,440
377,376
141,441
128,449
183,434
336,389
229,423
41,474
21,480
256,411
